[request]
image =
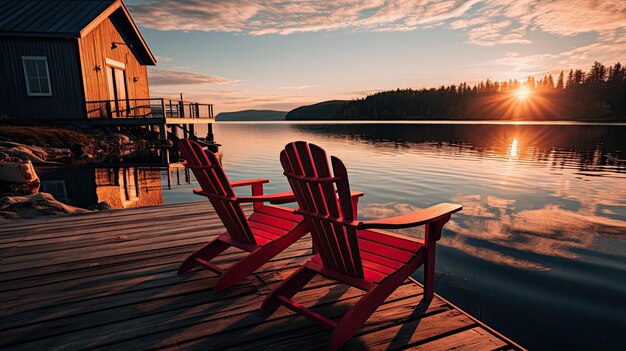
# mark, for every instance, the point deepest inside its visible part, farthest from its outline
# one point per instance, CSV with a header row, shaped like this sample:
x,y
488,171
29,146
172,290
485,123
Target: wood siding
x,y
94,49
66,101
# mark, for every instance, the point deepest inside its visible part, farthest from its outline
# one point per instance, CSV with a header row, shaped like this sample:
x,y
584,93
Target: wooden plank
x,y
96,238
127,280
54,229
127,322
16,225
474,339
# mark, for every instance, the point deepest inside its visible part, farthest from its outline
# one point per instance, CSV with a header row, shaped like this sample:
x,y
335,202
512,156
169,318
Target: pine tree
x,y
550,82
570,79
559,84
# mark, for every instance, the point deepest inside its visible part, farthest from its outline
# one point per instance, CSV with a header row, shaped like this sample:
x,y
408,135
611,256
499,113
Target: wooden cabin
x,y
81,59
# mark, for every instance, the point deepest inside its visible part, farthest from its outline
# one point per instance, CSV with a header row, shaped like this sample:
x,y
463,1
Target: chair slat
x,y
307,167
343,188
324,245
306,198
321,164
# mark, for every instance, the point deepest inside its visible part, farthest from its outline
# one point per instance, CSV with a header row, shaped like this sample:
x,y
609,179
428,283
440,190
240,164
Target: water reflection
x,y
118,187
513,149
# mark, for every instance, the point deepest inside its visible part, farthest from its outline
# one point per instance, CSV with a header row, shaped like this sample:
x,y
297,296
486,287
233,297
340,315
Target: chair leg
x,y
207,253
257,258
429,272
352,321
243,268
287,288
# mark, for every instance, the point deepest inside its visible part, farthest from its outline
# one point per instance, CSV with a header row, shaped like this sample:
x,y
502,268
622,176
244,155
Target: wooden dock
x,y
108,281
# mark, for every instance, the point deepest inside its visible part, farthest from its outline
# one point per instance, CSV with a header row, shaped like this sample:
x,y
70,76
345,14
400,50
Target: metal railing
x,y
148,108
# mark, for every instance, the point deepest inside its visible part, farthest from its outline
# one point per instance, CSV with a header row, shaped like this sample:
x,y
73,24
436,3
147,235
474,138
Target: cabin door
x,y
118,92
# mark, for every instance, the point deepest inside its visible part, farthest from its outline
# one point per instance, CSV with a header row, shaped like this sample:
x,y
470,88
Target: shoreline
x,y
438,121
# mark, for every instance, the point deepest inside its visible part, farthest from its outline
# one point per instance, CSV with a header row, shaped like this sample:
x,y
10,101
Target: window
x,y
56,188
37,75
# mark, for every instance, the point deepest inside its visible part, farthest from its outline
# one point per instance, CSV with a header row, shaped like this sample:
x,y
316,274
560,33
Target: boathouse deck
x,y
108,281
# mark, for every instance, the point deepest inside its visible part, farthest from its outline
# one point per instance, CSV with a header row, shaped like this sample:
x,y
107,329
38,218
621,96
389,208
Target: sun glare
x,y
522,93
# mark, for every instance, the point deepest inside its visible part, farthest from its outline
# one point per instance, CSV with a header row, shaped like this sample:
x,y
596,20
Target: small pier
x,y
108,281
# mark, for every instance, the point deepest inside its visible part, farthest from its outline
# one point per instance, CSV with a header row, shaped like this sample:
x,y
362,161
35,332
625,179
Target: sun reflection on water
x,y
513,152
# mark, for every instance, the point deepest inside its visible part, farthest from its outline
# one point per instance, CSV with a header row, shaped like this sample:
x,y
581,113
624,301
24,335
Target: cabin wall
x,y
66,101
95,48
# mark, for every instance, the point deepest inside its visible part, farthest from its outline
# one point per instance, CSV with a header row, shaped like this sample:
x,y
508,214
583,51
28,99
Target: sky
x,y
280,54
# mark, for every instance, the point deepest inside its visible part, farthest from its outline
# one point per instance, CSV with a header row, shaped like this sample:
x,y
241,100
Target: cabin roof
x,y
69,19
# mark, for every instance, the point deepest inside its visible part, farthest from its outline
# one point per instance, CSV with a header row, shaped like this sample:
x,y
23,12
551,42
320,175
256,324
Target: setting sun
x,y
522,93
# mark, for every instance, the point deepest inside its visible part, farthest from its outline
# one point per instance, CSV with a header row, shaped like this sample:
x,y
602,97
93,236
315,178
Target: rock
x,y
17,172
37,155
32,206
101,206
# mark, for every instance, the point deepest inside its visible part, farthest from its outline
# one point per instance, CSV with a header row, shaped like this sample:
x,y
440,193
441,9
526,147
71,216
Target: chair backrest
x,y
210,174
325,203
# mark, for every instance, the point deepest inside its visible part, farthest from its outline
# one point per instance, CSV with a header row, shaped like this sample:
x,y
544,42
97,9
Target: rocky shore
x,y
26,149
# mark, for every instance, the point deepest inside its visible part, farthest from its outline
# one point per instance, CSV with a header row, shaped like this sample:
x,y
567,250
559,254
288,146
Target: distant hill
x,y
251,115
319,111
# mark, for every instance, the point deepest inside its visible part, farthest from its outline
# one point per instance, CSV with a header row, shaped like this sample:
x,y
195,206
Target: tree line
x,y
599,93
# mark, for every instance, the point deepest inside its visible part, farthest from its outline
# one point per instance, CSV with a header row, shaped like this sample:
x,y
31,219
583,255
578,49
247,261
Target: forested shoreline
x,y
597,94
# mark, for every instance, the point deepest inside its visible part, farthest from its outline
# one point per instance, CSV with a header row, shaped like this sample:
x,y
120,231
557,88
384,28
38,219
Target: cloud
x,y
549,231
297,87
487,22
213,15
497,33
169,77
578,57
163,59
226,100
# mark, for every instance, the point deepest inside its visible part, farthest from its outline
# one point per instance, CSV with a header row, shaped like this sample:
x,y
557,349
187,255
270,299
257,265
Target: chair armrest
x,y
414,219
277,198
199,191
356,193
245,182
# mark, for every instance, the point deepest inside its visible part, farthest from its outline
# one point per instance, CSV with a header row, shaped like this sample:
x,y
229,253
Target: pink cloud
x,y
479,17
170,77
233,100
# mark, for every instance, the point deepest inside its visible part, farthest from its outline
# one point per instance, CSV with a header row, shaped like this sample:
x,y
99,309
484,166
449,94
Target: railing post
x,y
163,107
192,131
109,113
165,155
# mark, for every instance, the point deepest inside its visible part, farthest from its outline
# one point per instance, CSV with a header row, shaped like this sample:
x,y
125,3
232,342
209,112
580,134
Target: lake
x,y
539,250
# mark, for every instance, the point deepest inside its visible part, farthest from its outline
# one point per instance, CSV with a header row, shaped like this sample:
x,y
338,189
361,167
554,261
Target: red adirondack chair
x,y
267,232
348,251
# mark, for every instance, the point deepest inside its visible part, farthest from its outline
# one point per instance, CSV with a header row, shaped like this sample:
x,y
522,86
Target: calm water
x,y
539,250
